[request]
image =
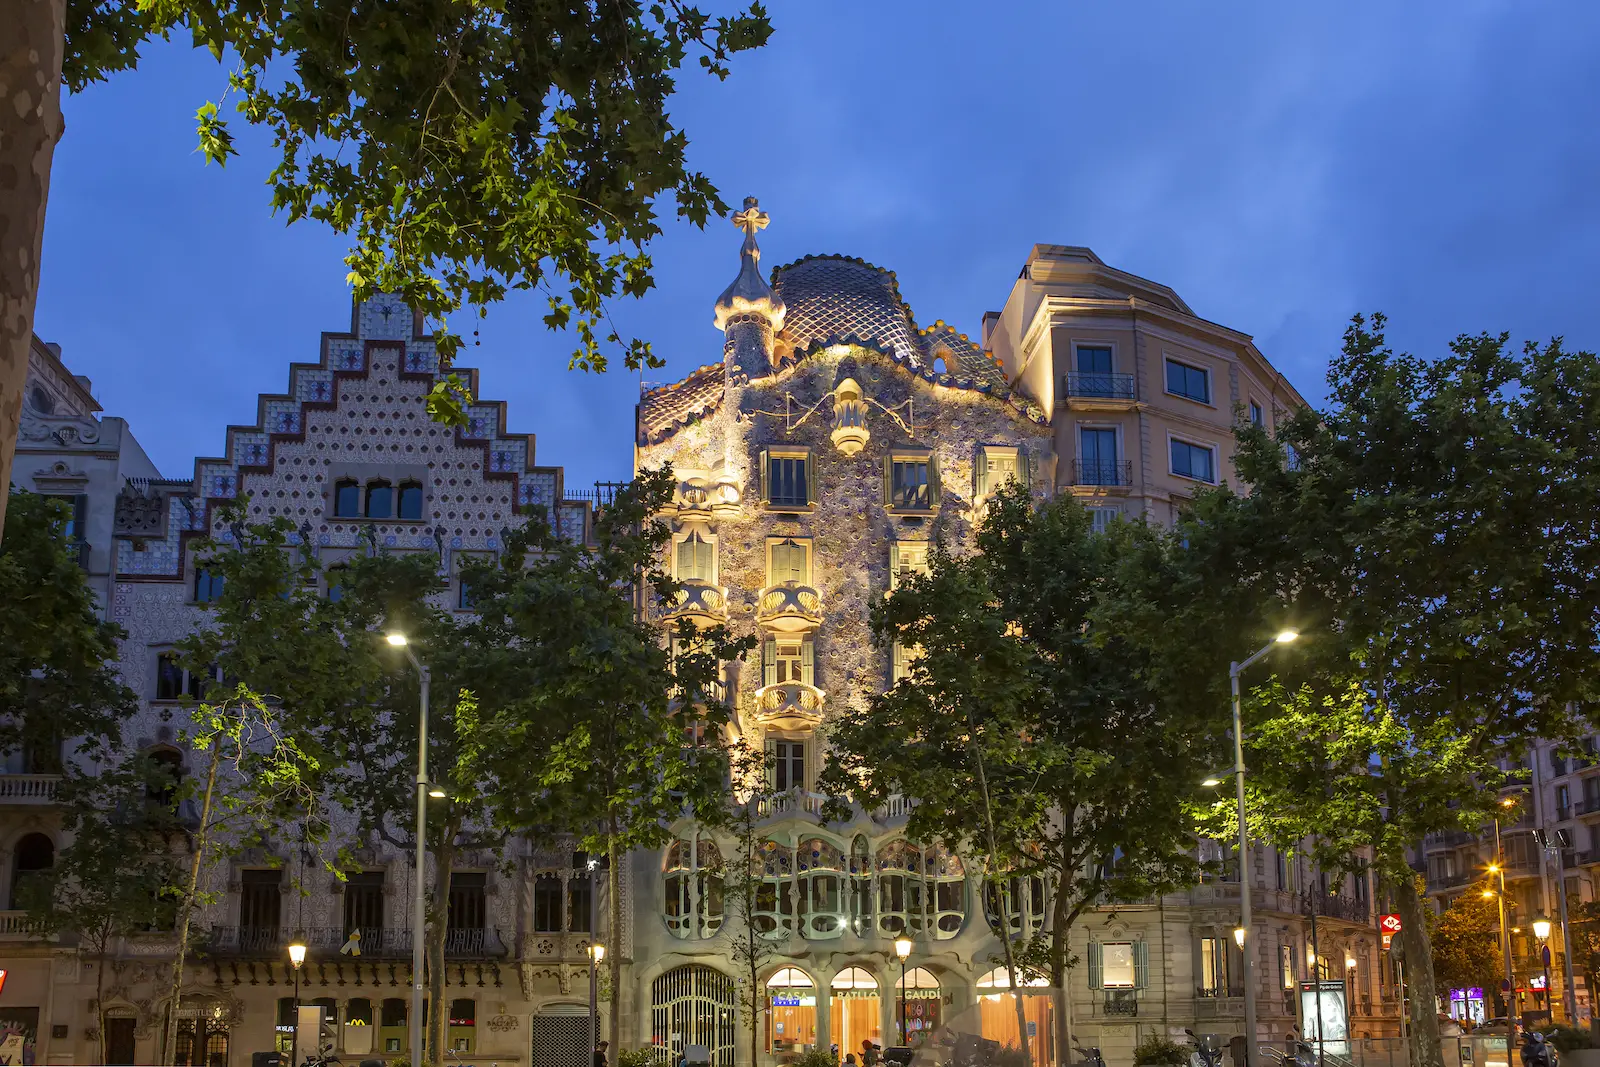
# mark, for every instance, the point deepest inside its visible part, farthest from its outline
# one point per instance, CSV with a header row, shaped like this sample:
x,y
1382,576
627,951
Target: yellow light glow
x,y
1285,636
1488,894
396,639
598,952
297,951
1493,868
1541,929
1211,780
436,792
902,947
1349,963
1238,936
1508,802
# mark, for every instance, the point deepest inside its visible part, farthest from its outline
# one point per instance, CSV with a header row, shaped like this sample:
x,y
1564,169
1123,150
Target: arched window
x,y
411,500
393,1012
346,499
380,499
695,560
947,891
692,888
900,890
821,870
792,1010
34,854
358,1012
1024,900
854,1012
920,992
774,914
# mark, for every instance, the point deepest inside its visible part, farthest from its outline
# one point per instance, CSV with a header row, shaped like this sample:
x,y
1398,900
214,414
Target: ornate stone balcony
x,y
701,602
792,705
29,788
789,608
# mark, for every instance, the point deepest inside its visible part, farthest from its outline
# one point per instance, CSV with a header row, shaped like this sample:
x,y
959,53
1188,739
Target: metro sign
x,y
1388,925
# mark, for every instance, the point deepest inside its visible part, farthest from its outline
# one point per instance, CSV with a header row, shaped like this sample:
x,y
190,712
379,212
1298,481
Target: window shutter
x,y
810,477
1141,965
897,666
888,480
1024,469
771,747
1095,964
894,565
933,479
980,475
769,662
764,476
808,663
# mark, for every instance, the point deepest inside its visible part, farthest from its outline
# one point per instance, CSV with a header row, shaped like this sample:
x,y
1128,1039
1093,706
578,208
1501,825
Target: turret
x,y
748,312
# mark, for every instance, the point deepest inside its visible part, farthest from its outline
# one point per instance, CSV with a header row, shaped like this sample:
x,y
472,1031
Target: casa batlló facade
x,y
818,458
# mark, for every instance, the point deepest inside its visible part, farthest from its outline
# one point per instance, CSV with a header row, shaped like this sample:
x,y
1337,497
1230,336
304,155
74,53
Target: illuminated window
x,y
789,560
1213,967
786,479
788,659
692,889
911,480
906,557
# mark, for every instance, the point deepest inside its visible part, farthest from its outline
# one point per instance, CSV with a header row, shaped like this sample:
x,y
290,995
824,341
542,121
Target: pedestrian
x,y
600,1054
849,1059
869,1053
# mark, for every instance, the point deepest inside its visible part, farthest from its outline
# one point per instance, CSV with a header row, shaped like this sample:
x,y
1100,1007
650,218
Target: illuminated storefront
x,y
923,1002
792,1012
998,1013
855,1013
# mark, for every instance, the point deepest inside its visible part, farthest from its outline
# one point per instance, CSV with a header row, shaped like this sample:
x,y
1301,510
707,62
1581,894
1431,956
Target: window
x,y
1358,885
77,516
467,907
346,499
463,1012
1097,457
260,904
358,1011
1102,518
1213,967
900,889
695,560
1257,416
1115,964
789,561
1283,872
463,594
996,465
1563,802
175,683
393,1012
166,774
821,890
774,910
336,577
787,482
380,499
580,897
900,660
692,888
1193,461
911,481
363,906
906,557
547,894
1017,904
33,855
1189,382
410,501
788,759
1094,359
787,659
207,586
1286,967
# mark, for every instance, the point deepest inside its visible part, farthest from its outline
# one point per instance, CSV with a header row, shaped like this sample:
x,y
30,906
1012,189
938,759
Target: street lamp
x,y
297,956
1541,930
419,904
1498,867
597,952
1238,936
1252,1051
902,948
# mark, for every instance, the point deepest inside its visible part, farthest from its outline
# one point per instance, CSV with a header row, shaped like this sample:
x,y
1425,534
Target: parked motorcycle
x,y
1207,1050
1091,1057
1537,1051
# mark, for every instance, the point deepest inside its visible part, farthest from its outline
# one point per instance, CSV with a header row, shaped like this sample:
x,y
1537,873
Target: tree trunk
x,y
100,992
169,1052
1419,976
438,931
32,41
614,921
1005,912
1060,948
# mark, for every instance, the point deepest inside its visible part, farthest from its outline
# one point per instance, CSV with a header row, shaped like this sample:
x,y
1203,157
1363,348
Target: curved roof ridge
x,y
894,279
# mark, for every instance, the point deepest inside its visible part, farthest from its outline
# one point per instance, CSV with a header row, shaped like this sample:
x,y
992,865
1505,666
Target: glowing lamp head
x,y
1211,781
1508,802
398,640
1488,894
297,950
598,951
1493,868
436,792
1311,956
1349,963
902,947
1283,637
1238,936
1541,928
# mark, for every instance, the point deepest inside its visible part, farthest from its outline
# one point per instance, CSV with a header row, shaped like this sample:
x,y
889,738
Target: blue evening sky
x,y
1281,165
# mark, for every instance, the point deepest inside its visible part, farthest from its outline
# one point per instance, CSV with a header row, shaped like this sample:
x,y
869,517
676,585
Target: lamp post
x,y
902,948
1499,867
597,952
419,902
297,956
1541,930
1251,1050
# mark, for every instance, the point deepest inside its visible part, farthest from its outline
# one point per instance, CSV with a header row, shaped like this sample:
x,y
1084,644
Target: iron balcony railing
x,y
327,942
1101,386
1102,472
1121,1002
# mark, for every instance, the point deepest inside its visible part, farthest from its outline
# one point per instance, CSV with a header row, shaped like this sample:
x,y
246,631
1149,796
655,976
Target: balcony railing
x,y
29,788
326,942
701,600
789,607
17,925
790,701
1101,386
1448,839
1347,908
1102,472
1123,1003
790,802
1588,806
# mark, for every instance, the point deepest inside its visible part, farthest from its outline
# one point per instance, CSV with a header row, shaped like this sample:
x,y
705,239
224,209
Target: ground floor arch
x,y
694,1005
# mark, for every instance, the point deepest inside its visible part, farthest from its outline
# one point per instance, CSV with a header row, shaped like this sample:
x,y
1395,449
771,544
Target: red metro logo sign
x,y
1388,925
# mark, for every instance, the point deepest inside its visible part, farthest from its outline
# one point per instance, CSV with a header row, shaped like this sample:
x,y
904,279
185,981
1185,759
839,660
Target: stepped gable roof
x,y
664,410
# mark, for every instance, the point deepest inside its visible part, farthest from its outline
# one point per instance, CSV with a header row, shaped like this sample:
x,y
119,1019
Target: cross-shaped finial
x,y
751,219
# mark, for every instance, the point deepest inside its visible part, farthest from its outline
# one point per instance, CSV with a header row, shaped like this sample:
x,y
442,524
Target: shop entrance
x,y
856,1014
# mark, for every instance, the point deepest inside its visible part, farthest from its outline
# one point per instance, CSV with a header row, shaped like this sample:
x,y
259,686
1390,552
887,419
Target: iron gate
x,y
694,1005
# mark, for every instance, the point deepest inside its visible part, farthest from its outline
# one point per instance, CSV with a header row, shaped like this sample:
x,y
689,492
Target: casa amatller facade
x,y
818,457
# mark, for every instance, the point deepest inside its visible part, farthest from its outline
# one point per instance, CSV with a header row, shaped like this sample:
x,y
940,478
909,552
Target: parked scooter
x,y
1091,1057
1207,1050
1537,1051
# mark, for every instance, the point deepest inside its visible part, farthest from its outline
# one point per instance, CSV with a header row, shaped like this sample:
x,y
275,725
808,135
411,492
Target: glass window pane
x,y
1093,359
380,500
